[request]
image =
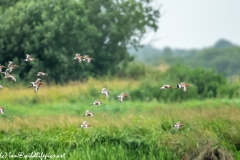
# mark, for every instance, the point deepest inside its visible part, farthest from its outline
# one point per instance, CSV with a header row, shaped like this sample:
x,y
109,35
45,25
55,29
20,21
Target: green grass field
x,y
47,122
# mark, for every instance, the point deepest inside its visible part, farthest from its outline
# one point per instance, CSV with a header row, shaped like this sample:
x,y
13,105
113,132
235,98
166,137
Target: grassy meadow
x,y
47,122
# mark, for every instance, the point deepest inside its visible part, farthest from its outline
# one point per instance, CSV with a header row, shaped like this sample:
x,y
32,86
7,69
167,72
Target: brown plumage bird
x,y
183,85
1,110
37,86
98,103
88,113
29,58
87,58
42,74
78,57
84,125
166,86
122,96
1,67
7,75
178,125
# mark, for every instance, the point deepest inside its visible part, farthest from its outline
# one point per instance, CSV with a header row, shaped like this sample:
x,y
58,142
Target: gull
x,y
88,113
178,125
183,85
104,91
42,74
7,75
122,96
84,125
2,110
98,103
166,86
1,67
29,58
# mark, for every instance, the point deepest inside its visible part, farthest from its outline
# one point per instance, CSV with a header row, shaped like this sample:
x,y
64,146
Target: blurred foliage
x,y
222,57
204,83
54,31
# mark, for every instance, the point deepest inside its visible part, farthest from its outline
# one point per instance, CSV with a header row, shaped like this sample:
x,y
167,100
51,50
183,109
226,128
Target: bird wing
x,y
10,63
97,101
104,90
36,88
184,88
184,84
84,123
28,56
13,78
37,81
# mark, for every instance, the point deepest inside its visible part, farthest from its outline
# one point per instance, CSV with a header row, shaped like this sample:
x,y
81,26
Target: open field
x,y
48,122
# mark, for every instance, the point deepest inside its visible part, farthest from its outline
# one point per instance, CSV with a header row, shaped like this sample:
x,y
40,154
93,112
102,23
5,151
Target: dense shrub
x,y
204,84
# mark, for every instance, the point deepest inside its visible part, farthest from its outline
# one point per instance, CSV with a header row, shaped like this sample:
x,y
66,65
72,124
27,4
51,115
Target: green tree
x,y
55,30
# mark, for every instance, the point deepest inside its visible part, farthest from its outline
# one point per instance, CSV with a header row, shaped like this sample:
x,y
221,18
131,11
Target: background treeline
x,y
55,30
223,57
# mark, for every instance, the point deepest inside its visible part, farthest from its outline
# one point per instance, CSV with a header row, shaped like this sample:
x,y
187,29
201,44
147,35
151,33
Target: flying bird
x,y
11,66
34,84
10,63
78,57
104,91
37,86
98,103
1,67
183,85
42,74
178,125
166,86
84,125
7,75
122,96
2,110
87,58
29,58
88,113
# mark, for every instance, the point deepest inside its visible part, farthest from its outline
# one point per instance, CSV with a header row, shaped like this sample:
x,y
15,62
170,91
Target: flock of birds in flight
x,y
38,83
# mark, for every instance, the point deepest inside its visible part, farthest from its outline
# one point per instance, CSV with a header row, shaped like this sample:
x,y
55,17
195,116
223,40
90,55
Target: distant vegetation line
x,y
223,57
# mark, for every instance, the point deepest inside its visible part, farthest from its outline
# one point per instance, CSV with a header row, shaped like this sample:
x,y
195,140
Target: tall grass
x,y
48,122
64,93
141,136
